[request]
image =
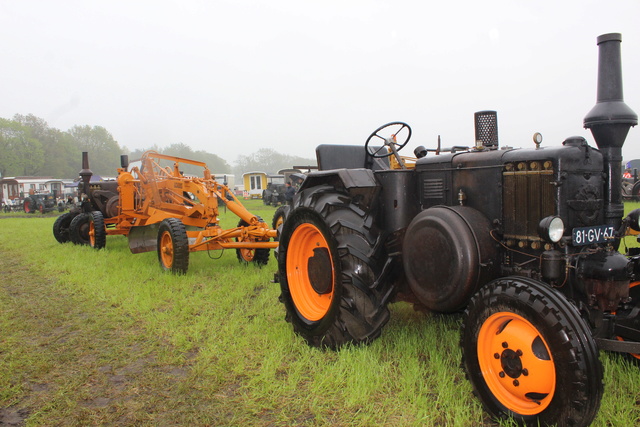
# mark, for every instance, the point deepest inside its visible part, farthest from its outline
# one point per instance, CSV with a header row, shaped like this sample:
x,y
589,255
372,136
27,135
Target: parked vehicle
x,y
524,241
39,202
158,208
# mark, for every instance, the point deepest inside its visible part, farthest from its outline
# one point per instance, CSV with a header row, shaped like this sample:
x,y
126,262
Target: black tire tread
x,y
363,307
76,229
579,399
180,241
100,236
61,227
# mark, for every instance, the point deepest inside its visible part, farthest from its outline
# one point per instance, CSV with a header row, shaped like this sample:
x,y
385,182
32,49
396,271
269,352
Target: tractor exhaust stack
x,y
609,121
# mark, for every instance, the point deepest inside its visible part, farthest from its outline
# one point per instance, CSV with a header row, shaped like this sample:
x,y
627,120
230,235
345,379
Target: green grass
x,y
105,337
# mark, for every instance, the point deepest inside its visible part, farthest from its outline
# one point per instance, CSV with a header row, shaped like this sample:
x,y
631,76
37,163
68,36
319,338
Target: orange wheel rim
x,y
92,233
247,254
516,363
166,249
310,272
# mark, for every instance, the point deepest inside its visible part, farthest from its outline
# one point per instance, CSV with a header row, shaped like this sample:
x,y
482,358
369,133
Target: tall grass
x,y
105,337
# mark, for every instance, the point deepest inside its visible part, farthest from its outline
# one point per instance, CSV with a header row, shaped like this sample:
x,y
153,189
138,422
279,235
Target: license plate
x,y
594,234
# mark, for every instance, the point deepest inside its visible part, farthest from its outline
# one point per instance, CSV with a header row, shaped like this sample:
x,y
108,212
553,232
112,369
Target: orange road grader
x,y
157,207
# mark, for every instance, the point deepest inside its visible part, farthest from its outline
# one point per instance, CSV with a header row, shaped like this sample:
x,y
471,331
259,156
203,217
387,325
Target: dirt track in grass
x,y
67,360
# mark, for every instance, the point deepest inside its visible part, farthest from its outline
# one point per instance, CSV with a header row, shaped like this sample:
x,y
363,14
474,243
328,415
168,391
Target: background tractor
x,y
523,241
40,202
158,208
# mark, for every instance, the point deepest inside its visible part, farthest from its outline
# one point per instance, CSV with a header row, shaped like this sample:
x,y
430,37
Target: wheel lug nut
x,y
516,383
525,372
505,345
519,352
497,356
502,374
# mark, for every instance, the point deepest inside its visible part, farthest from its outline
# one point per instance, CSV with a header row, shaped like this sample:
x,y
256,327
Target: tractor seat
x,y
333,156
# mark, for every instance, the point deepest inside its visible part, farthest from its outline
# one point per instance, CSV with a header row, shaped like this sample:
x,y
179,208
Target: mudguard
x,y
360,184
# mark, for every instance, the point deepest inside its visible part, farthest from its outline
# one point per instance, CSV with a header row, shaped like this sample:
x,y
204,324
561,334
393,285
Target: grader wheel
x,y
173,246
247,255
97,230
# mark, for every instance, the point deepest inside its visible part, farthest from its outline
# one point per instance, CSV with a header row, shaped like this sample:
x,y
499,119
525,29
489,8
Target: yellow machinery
x,y
159,208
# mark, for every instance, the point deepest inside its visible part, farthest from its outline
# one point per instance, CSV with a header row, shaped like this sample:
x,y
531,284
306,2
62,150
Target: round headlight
x,y
551,229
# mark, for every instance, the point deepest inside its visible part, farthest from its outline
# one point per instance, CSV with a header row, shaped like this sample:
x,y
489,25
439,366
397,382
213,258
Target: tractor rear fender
x,y
360,184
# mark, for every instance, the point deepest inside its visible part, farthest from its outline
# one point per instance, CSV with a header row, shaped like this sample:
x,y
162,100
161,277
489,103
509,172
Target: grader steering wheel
x,y
396,130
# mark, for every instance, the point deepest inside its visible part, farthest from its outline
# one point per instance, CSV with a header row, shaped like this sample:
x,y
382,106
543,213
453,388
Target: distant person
x,y
289,192
627,174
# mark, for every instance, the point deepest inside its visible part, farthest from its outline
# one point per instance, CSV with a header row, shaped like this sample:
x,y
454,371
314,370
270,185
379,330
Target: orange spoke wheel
x,y
96,231
92,234
173,246
166,251
247,254
516,363
257,256
310,272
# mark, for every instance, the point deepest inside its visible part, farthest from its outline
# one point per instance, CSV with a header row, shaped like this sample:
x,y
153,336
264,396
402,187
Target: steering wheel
x,y
395,130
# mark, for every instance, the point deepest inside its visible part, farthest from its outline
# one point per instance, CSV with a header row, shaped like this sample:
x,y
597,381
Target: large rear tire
x,y
529,354
173,246
29,205
97,230
328,268
79,229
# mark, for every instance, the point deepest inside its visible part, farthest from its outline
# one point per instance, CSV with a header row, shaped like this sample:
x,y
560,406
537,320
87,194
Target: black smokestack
x,y
609,121
85,174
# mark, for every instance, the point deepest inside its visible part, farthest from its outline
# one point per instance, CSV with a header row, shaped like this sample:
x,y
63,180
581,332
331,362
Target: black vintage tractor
x,y
100,196
39,202
274,193
523,241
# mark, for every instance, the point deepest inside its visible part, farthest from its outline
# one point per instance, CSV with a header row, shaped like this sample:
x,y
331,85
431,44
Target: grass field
x,y
105,337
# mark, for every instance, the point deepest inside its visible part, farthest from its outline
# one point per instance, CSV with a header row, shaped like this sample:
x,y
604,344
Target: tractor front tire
x,y
97,230
329,270
79,229
173,246
61,227
529,354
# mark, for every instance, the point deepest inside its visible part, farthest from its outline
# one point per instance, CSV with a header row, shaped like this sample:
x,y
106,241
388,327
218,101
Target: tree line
x,y
30,147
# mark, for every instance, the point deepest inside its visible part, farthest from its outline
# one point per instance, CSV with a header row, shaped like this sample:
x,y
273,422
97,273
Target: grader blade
x,y
143,238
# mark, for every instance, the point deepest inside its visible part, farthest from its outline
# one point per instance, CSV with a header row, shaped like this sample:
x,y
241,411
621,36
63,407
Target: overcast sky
x,y
231,77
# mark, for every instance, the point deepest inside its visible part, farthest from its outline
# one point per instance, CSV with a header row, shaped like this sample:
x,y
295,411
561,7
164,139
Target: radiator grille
x,y
528,196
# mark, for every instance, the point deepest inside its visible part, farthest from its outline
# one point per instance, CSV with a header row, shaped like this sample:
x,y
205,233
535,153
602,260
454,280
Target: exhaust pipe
x,y
609,121
85,175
